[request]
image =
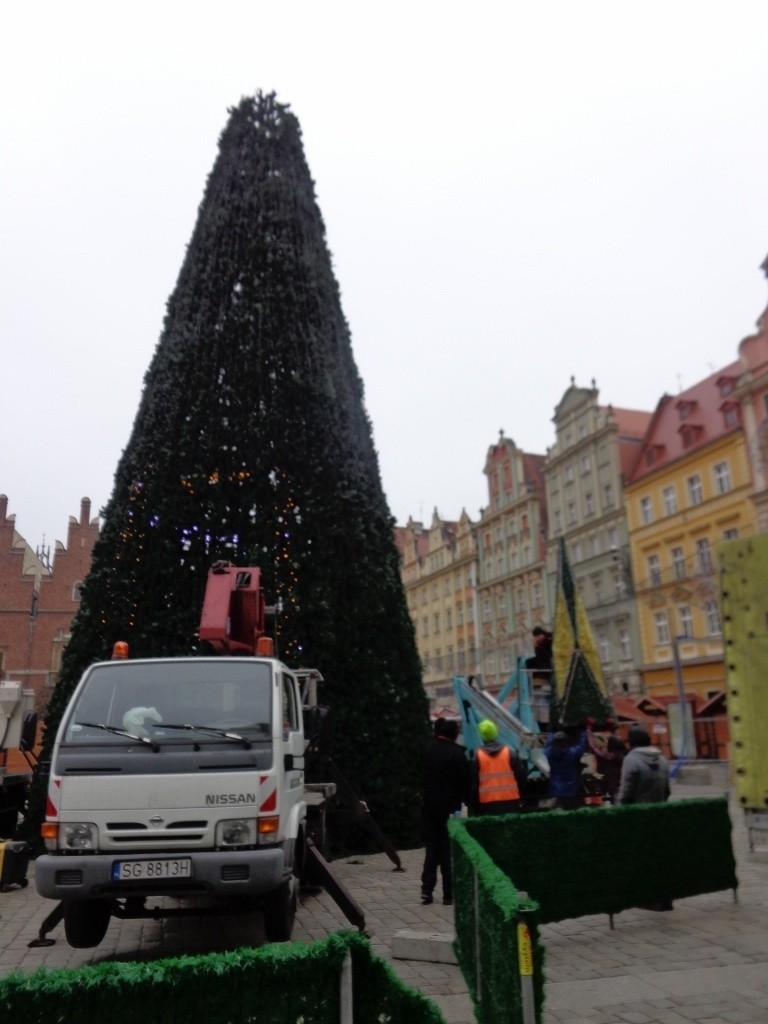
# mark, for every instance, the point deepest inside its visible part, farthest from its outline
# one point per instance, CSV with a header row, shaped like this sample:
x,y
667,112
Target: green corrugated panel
x,y
744,609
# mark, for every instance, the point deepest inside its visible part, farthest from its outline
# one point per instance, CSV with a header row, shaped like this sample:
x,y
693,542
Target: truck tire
x,y
279,908
86,922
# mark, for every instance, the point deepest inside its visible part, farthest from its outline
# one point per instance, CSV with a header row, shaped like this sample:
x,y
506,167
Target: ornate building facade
x,y
39,598
438,566
690,488
583,475
512,592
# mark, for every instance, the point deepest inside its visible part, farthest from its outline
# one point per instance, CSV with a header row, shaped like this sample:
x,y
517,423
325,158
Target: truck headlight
x,y
236,832
78,835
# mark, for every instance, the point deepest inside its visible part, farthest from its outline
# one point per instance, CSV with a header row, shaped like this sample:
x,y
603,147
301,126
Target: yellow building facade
x,y
689,488
438,567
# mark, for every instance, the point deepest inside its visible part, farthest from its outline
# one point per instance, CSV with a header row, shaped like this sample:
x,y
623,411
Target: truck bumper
x,y
214,873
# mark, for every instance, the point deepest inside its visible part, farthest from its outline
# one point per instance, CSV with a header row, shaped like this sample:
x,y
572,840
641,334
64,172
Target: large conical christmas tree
x,y
251,444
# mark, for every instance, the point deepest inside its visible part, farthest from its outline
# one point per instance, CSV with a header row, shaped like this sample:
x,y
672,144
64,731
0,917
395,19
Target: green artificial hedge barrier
x,y
487,909
275,984
601,860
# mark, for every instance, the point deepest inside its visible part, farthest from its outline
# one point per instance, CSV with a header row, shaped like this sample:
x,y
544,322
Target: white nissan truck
x,y
176,777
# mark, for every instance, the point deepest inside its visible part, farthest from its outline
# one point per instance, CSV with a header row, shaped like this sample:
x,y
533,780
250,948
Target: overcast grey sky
x,y
514,193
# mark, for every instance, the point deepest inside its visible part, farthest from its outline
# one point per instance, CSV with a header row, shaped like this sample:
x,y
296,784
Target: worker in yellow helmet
x,y
498,776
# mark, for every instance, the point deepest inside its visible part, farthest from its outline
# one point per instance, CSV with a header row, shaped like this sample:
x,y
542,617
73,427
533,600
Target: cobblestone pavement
x,y
707,961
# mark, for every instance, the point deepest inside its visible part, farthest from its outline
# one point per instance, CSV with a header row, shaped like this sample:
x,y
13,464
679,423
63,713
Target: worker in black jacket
x,y
446,788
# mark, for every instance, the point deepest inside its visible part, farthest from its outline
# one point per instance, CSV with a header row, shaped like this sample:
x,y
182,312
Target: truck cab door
x,y
292,735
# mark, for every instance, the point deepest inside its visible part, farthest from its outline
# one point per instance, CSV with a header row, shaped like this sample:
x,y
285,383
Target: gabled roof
x,y
683,424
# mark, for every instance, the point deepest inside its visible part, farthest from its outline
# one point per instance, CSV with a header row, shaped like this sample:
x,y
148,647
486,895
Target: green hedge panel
x,y
606,859
275,984
487,908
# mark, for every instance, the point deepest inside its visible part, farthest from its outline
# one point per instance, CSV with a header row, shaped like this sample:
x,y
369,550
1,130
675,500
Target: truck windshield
x,y
203,701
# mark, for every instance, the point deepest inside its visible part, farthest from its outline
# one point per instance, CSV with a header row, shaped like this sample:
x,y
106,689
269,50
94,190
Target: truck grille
x,y
235,873
69,876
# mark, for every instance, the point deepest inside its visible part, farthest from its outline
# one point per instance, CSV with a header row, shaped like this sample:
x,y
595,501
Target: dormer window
x,y
725,385
653,453
685,408
731,415
690,434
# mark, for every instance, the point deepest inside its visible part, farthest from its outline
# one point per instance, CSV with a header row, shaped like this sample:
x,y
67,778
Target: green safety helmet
x,y
488,730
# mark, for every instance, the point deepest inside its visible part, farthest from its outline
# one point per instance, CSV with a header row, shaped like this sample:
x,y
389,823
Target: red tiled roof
x,y
698,407
632,422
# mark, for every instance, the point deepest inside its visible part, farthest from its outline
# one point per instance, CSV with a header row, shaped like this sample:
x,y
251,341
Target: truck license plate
x,y
130,870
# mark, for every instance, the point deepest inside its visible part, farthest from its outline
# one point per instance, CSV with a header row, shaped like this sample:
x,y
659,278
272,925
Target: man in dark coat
x,y
446,788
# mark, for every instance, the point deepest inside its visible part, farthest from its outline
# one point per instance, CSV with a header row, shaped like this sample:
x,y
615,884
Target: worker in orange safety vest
x,y
498,776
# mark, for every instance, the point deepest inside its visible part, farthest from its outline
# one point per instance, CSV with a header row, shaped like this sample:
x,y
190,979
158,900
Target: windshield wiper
x,y
207,729
120,732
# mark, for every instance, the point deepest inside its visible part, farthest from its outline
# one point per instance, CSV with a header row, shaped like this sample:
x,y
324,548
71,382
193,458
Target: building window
x,y
459,615
712,614
662,627
538,595
521,602
604,647
613,538
589,503
597,587
437,622
703,555
558,521
568,474
501,606
695,493
625,647
730,416
434,591
685,617
571,517
425,626
677,556
669,495
487,611
607,495
654,570
586,463
448,618
594,543
731,533
722,475
646,511
470,612
77,591
576,551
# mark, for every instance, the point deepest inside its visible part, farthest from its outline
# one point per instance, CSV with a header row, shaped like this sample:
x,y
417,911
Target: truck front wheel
x,y
279,909
86,922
